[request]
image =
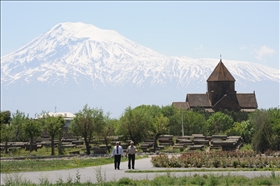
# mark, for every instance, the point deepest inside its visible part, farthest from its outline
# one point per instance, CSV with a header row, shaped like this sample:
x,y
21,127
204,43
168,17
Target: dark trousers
x,y
117,161
131,159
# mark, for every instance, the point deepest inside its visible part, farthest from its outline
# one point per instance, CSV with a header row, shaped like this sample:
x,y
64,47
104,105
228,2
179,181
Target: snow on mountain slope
x,y
78,51
88,65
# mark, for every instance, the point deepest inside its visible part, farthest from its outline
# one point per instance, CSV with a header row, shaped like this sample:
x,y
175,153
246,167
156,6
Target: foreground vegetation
x,y
220,159
260,129
167,180
53,164
204,178
32,165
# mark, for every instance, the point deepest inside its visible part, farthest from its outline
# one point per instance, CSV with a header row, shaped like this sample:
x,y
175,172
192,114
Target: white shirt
x,y
115,151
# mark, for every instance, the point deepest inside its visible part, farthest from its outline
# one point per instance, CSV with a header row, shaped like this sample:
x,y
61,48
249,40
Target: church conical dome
x,y
220,73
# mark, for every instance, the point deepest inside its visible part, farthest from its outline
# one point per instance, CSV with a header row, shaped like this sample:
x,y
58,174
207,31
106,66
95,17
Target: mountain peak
x,y
79,30
78,60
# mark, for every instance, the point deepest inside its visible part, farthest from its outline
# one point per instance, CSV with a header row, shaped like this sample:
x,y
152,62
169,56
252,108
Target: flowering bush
x,y
218,159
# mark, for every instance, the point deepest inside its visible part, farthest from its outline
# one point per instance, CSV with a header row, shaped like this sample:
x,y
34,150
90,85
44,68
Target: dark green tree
x,y
159,127
7,131
17,120
86,123
218,123
7,134
32,129
263,138
5,117
237,116
175,121
244,129
12,130
275,121
107,130
53,125
135,123
174,116
194,123
202,111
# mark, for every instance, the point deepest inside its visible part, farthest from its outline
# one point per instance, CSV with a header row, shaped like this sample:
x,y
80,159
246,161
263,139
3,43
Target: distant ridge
x,y
73,56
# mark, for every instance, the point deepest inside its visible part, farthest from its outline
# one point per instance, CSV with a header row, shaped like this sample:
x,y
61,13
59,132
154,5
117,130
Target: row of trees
x,y
20,127
260,128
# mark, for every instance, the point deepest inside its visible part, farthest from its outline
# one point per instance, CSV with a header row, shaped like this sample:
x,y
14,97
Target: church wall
x,y
217,89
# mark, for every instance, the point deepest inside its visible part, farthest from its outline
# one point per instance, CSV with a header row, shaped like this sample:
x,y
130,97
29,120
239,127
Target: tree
x,y
108,129
202,111
32,129
5,117
175,124
87,122
5,128
7,133
275,121
194,123
53,126
237,116
263,137
159,127
218,123
12,129
135,123
17,120
244,129
174,116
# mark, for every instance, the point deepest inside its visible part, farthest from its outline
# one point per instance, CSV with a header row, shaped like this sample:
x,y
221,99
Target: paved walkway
x,y
108,173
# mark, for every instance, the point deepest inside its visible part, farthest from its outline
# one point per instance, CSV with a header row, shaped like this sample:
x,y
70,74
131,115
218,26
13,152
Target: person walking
x,y
117,154
131,150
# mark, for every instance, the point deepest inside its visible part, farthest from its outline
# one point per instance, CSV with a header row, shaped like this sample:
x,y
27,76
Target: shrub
x,y
235,163
125,181
216,159
213,181
263,181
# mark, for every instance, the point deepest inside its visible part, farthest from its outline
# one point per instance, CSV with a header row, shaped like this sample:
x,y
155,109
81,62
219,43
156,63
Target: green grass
x,y
40,152
203,170
163,180
47,165
33,165
246,147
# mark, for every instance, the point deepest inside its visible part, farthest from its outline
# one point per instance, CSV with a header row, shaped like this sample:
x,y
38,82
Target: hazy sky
x,y
243,31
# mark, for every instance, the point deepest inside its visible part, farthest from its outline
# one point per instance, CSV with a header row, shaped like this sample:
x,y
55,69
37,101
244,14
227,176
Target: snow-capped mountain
x,y
81,55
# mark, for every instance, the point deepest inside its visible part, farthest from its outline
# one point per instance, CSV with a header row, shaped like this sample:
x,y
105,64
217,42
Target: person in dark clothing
x,y
117,154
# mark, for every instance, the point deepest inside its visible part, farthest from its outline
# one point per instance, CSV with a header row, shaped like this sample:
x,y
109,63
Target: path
x,y
108,173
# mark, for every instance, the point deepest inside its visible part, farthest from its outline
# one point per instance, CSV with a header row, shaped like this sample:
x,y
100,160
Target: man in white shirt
x,y
117,154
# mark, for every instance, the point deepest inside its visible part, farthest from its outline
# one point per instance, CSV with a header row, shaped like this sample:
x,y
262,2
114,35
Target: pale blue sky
x,y
243,31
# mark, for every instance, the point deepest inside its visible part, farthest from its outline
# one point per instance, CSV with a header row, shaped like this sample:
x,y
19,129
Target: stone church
x,y
220,94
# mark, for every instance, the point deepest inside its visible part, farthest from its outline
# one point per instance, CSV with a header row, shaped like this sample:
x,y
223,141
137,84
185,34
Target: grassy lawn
x,y
27,164
164,180
33,165
170,170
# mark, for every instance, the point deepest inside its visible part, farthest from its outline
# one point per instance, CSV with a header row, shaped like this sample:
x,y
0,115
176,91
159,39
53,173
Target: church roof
x,y
220,73
247,100
181,105
224,99
198,100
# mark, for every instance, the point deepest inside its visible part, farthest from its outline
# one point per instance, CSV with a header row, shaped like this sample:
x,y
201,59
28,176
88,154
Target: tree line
x,y
260,128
